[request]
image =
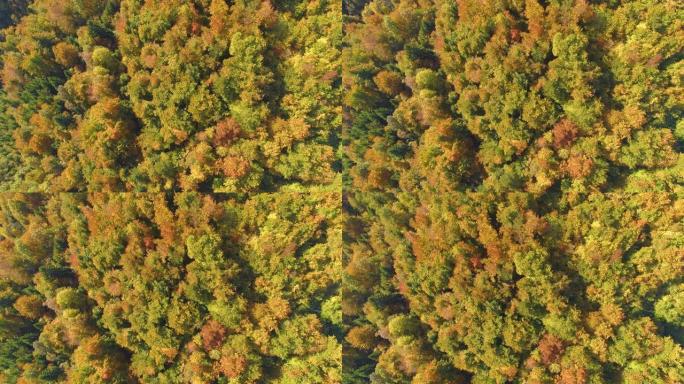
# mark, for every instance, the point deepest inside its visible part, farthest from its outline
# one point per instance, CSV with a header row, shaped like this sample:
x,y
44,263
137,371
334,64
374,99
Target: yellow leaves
x,y
66,54
388,82
308,163
624,122
613,313
29,306
284,133
508,95
508,371
378,176
203,105
362,337
266,15
652,148
12,75
148,55
279,307
218,23
543,171
198,367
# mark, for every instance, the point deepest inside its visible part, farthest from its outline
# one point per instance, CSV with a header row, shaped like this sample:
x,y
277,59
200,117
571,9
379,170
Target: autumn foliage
x,y
513,191
322,192
170,206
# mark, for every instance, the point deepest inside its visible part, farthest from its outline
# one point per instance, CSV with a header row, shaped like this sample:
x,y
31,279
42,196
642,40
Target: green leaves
x,y
247,192
70,298
230,313
670,307
297,337
525,150
205,249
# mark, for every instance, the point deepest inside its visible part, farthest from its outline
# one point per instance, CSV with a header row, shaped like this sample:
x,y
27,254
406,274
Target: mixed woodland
x,y
514,192
364,191
171,192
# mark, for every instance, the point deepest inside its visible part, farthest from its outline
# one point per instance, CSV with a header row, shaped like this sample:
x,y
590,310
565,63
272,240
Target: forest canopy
x,y
170,209
514,191
322,192
115,96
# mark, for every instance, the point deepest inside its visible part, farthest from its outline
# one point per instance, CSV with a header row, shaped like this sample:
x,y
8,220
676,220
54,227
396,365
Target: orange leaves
x,y
213,334
572,375
226,132
40,143
473,69
583,11
97,357
534,13
149,56
266,15
579,166
38,139
550,348
564,133
361,269
164,219
613,314
624,123
234,166
372,40
270,314
489,237
279,307
379,175
444,306
167,95
219,23
378,178
232,365
36,243
535,84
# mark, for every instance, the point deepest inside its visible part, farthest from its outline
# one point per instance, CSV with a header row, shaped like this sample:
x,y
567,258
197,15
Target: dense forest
x,y
515,192
109,96
141,287
341,192
171,208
